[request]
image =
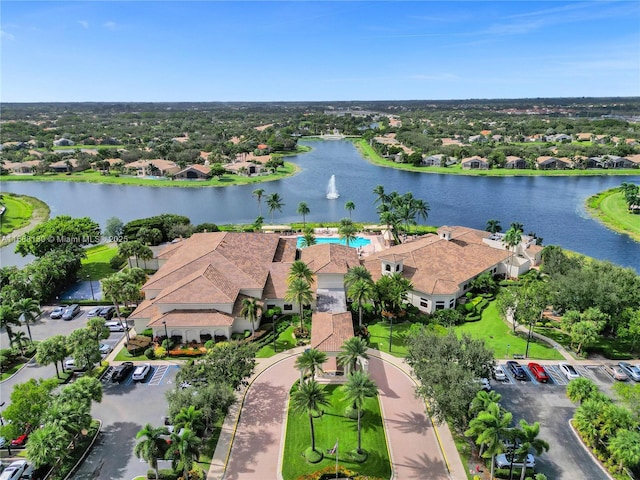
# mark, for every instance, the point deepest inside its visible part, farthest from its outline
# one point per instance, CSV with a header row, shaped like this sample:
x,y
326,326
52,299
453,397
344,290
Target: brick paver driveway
x,y
257,445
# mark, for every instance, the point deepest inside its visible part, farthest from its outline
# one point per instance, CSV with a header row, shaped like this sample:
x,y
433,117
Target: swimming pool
x,y
355,243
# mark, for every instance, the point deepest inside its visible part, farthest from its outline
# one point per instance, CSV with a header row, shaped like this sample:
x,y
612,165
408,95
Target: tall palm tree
x,y
361,291
47,445
299,291
482,400
112,289
347,230
310,361
352,350
381,197
358,388
527,434
625,448
258,193
355,274
274,202
309,398
512,239
493,226
303,209
8,319
20,339
29,310
185,449
300,270
308,239
249,311
189,417
151,445
489,428
350,207
257,223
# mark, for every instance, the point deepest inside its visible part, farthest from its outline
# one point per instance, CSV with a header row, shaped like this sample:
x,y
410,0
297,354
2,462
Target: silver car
x,y
632,371
503,462
616,372
569,371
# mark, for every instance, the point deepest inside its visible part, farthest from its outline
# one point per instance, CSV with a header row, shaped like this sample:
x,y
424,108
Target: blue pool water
x,y
355,243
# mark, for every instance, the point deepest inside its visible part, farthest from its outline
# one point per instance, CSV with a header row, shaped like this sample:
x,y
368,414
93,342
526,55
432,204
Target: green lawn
x,y
499,337
285,341
331,426
17,214
611,209
611,348
379,338
96,265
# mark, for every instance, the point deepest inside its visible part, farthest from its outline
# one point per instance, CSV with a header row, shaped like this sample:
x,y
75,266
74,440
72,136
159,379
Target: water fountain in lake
x,y
332,192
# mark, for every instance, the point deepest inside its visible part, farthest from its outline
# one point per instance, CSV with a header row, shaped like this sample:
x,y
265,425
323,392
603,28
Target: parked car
x,y
498,374
70,364
21,440
502,461
105,348
71,312
122,371
29,472
114,326
57,312
632,371
94,312
14,470
538,372
141,372
483,383
3,442
107,312
616,372
517,370
569,371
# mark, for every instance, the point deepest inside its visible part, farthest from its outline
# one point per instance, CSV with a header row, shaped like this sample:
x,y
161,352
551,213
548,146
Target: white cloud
x,y
6,36
110,25
84,24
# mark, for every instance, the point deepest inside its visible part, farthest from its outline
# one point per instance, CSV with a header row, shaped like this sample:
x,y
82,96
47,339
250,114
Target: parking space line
x,y
530,375
555,373
507,372
585,372
158,374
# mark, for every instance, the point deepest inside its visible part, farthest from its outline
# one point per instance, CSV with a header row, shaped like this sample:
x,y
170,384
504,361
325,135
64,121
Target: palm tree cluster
x,y
182,446
605,426
399,212
123,287
631,193
299,289
16,313
491,430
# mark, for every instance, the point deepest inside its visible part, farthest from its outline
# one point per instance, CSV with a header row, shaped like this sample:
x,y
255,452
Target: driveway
x,y
259,437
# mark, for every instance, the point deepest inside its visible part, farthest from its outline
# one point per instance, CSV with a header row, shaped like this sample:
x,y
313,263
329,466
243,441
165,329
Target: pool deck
x,y
376,240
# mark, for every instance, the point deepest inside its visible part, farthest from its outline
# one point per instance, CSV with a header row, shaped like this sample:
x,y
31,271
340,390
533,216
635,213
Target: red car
x,y
20,441
538,372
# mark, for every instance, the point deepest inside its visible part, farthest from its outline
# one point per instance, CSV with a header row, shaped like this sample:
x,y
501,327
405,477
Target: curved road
x,y
258,442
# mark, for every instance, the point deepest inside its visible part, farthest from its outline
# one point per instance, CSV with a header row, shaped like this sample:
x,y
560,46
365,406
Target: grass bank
x,y
335,425
370,154
610,208
96,264
21,215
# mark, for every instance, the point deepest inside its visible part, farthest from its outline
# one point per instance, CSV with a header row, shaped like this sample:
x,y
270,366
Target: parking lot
x,y
549,405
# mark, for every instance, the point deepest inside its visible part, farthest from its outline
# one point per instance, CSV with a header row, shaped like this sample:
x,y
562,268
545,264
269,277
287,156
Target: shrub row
x,y
329,472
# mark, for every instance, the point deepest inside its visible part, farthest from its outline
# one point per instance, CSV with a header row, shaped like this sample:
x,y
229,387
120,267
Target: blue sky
x,y
323,51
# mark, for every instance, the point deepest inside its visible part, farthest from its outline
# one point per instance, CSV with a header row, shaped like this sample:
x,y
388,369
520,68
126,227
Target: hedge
x,y
164,474
504,472
472,318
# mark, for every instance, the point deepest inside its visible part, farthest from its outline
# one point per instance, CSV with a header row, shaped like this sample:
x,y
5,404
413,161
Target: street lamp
x,y
273,325
390,331
91,285
166,334
508,350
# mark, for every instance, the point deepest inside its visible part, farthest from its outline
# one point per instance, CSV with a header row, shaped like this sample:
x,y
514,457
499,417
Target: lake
x,y
552,207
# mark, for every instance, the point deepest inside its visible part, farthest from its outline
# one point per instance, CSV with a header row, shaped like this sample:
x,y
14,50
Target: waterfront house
x,y
553,163
155,168
515,162
475,163
194,172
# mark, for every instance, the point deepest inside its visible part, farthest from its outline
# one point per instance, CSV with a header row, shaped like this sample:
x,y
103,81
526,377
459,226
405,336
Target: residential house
x,y
22,168
634,159
433,160
63,142
584,137
474,163
152,168
553,163
73,165
515,162
477,139
194,172
246,168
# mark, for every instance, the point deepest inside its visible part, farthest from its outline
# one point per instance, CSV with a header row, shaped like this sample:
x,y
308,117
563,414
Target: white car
x,y
503,462
70,364
632,371
569,371
114,326
14,471
498,374
141,372
94,312
105,348
483,383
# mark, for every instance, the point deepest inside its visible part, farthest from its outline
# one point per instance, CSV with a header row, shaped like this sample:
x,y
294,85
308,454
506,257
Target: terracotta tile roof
x,y
169,250
437,266
330,258
207,285
634,158
276,285
197,167
159,163
145,310
193,318
329,331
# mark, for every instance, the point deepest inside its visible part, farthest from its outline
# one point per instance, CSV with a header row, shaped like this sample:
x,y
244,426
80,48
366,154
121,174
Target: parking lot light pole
x,y
275,344
508,350
166,334
91,285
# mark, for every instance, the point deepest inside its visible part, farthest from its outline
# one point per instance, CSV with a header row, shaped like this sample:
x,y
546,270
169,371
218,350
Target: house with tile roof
x,y
474,163
515,162
194,172
552,163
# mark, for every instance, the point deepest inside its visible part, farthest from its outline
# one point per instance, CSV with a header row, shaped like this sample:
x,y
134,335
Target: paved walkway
x,y
252,438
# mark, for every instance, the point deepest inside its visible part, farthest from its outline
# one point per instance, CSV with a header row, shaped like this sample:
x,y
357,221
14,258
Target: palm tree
x,y
20,339
381,197
355,274
257,223
189,417
300,270
360,292
352,350
350,207
299,291
274,202
258,193
493,226
185,449
309,398
47,445
151,446
310,361
581,389
512,239
528,437
489,428
250,309
29,310
358,388
482,400
308,239
625,447
303,209
613,418
8,319
347,230
112,289
586,419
